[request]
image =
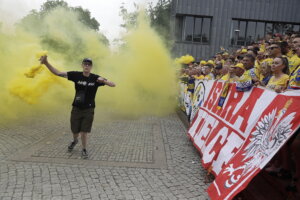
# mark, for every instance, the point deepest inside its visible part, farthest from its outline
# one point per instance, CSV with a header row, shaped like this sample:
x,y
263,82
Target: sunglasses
x,y
273,48
87,64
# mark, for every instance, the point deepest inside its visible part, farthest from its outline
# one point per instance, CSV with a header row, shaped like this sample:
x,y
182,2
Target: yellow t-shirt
x,y
199,77
257,68
257,64
290,54
248,75
262,47
294,61
294,82
226,77
209,77
281,82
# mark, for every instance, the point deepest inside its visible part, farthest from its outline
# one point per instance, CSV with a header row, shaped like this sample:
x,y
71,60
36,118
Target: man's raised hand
x,y
44,60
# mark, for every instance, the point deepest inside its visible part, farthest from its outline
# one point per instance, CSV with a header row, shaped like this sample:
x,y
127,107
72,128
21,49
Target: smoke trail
x,y
142,68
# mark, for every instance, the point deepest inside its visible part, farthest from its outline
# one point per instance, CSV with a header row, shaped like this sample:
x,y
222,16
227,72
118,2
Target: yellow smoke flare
x,y
187,59
33,71
36,69
30,91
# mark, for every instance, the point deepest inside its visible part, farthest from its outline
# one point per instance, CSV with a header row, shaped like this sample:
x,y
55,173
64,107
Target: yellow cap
x,y
269,61
240,65
244,51
210,62
225,54
203,62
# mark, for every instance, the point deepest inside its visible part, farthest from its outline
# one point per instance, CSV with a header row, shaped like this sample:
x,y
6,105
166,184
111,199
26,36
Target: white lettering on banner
x,y
211,98
194,127
208,154
237,124
228,108
226,153
265,99
209,125
241,102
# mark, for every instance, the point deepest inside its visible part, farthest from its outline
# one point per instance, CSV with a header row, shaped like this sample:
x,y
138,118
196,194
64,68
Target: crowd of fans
x,y
273,63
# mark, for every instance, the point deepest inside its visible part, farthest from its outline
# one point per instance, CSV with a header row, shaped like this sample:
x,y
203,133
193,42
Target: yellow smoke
x,y
144,74
36,69
187,59
31,90
142,69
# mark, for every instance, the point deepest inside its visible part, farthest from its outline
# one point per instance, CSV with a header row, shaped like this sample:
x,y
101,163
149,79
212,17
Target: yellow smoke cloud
x,y
142,69
187,59
144,74
36,69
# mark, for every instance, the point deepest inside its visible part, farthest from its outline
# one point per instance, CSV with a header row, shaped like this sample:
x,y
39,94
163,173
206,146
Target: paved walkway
x,y
148,158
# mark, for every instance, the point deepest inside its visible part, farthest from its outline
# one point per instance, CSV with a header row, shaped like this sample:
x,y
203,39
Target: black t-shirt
x,y
88,85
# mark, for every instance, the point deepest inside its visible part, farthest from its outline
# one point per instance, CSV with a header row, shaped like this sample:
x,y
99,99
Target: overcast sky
x,y
105,11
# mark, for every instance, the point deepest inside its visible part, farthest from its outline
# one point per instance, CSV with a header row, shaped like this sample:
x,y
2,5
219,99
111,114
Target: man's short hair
x,y
251,57
87,60
210,65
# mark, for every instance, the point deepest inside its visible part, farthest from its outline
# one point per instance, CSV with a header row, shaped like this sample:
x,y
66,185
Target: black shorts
x,y
82,120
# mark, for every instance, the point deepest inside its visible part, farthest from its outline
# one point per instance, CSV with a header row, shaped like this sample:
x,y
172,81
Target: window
x,y
245,32
260,30
242,33
197,30
296,28
193,29
251,28
269,28
178,28
206,30
189,29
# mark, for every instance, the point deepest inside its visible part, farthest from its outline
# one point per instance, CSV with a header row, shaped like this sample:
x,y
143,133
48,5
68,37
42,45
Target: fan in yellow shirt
x,y
199,75
294,61
279,80
294,82
266,73
207,72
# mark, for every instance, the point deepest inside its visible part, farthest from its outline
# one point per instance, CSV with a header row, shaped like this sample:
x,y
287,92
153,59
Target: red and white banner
x,y
237,140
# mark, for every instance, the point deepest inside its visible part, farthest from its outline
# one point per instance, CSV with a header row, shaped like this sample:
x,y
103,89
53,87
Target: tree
x,y
160,17
129,18
159,14
62,36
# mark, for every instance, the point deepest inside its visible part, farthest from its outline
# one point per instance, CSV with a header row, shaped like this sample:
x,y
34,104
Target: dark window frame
x,y
234,41
202,17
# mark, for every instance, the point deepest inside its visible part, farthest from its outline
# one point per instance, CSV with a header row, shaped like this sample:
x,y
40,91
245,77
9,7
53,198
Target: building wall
x,y
223,11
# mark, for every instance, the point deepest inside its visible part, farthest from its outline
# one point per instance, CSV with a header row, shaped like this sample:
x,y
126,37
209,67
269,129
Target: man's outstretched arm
x,y
106,82
52,69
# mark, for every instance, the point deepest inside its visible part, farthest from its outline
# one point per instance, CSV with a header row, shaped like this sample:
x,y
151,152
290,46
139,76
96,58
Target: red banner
x,y
238,139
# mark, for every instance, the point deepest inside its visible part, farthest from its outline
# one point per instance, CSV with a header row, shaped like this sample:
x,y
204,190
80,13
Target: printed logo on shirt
x,y
84,83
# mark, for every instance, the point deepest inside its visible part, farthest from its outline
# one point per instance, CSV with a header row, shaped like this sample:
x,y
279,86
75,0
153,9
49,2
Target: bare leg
x,y
75,136
84,140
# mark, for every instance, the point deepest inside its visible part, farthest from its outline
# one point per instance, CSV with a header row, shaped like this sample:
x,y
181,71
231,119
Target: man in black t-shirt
x,y
86,86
